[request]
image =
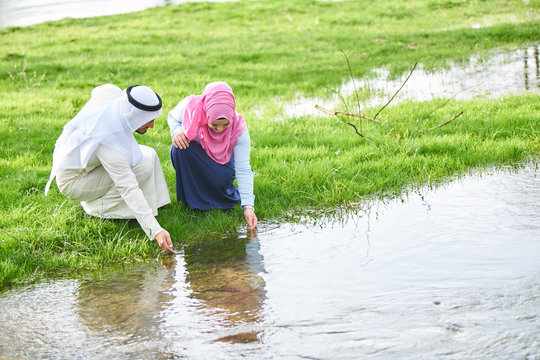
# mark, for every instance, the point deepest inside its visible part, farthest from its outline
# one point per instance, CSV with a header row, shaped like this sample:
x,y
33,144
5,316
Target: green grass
x,y
269,51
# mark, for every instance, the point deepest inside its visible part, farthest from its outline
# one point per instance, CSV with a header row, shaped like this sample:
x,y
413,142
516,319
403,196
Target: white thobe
x,y
110,188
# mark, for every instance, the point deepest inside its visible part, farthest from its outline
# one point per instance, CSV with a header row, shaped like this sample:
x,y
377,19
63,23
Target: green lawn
x,y
269,52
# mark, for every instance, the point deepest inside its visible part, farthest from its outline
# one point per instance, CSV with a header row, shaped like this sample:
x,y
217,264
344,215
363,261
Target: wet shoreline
x,y
447,271
493,76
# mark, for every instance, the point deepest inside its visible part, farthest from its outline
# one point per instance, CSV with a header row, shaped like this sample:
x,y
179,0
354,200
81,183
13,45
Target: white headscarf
x,y
108,118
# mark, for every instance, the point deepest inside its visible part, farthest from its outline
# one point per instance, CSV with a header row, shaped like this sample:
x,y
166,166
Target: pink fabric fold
x,y
216,101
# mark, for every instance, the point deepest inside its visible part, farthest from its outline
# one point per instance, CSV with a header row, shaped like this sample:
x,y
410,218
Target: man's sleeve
x,y
124,179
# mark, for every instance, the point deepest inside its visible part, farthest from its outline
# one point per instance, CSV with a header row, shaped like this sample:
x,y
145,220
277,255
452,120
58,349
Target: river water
x,y
450,272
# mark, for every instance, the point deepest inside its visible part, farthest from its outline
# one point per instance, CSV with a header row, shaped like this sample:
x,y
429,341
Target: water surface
x,y
494,75
451,272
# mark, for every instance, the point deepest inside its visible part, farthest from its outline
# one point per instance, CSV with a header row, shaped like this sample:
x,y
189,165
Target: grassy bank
x,y
268,51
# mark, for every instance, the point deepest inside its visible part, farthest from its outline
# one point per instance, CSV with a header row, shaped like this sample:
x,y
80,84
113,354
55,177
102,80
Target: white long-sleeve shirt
x,y
126,183
242,167
83,188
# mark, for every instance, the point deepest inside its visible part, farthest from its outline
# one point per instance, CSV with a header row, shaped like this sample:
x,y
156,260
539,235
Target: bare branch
x,y
335,113
443,105
340,97
446,122
355,129
446,102
354,85
393,96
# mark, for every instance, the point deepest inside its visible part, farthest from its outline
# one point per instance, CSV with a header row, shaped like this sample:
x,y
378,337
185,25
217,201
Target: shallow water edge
x,y
445,272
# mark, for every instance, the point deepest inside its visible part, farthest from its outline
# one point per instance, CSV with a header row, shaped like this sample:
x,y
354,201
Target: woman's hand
x,y
250,216
180,140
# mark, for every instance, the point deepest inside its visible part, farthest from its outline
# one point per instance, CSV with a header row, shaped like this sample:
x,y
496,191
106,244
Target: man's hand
x,y
180,140
251,218
163,238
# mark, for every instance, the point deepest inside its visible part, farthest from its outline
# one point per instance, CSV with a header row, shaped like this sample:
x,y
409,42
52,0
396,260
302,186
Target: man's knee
x,y
148,152
146,166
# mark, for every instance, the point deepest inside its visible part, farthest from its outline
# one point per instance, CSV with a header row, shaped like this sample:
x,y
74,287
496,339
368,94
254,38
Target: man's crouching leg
x,y
151,181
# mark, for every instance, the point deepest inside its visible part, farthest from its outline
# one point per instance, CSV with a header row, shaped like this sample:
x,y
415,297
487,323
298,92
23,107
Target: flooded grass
x,y
500,74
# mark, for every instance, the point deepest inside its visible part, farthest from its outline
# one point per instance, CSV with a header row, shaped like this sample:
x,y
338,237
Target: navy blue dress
x,y
202,183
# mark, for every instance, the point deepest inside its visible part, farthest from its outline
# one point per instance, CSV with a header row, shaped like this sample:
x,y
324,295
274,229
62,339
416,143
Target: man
x,y
98,162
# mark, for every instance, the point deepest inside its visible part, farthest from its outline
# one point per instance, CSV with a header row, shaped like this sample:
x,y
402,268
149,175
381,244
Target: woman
x,y
210,148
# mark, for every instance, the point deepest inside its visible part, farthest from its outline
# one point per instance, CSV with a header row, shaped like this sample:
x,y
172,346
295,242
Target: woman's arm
x,y
242,168
174,119
244,177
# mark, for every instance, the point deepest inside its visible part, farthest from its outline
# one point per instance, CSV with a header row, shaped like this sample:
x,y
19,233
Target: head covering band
x,y
142,106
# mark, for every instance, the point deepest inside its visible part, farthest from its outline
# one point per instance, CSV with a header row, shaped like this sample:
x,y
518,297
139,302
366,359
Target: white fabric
x,y
108,118
110,188
144,95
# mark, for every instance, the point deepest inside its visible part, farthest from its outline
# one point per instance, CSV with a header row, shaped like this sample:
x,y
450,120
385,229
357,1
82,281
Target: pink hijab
x,y
216,101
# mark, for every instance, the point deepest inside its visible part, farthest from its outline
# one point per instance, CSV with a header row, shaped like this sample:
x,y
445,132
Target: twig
x,y
355,129
354,85
393,96
340,97
446,102
446,122
443,105
334,113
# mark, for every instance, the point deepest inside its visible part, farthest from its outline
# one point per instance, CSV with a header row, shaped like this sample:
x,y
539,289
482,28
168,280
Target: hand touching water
x,y
163,239
251,218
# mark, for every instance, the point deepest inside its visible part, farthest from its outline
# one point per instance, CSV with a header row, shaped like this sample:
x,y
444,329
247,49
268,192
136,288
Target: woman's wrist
x,y
248,206
177,130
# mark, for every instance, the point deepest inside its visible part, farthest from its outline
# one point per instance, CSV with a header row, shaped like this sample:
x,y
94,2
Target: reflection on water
x,y
446,273
225,276
504,73
203,295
